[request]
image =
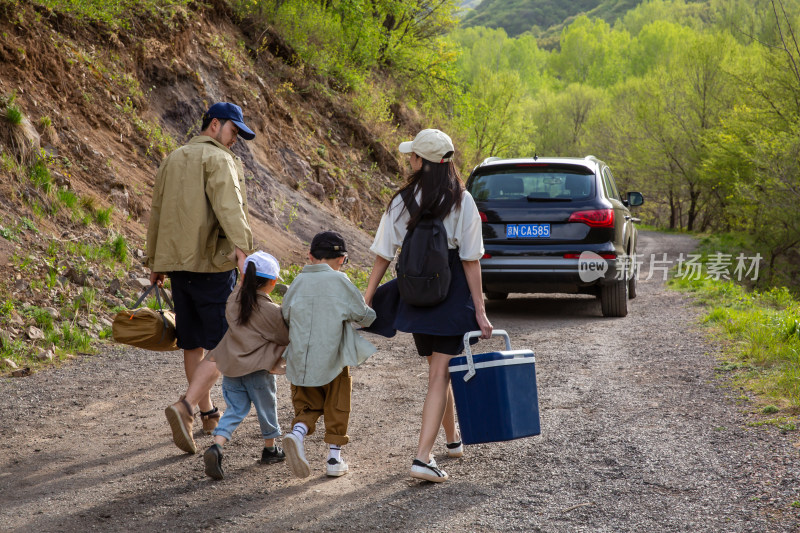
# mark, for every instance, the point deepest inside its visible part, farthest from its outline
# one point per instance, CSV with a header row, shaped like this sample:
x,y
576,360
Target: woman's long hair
x,y
441,189
248,297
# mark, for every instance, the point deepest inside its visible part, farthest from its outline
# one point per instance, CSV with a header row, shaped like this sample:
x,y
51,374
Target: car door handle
x,y
627,217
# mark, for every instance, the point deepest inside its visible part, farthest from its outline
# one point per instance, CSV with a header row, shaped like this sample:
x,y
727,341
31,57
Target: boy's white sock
x,y
300,430
334,451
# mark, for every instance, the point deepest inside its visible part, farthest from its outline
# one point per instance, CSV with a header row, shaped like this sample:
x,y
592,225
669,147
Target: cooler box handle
x,y
472,334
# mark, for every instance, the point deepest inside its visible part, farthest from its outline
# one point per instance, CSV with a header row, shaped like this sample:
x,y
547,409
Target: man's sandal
x,y
210,419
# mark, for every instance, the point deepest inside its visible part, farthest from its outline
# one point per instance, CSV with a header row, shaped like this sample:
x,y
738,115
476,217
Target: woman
x,y
438,330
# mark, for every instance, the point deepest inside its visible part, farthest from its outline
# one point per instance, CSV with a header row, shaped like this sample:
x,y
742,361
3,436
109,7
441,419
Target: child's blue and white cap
x,y
266,265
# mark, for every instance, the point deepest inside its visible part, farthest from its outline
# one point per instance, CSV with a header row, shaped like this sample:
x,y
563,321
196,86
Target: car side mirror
x,y
634,199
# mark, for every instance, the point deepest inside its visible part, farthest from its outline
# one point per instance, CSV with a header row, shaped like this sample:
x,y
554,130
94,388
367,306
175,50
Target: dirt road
x,y
638,434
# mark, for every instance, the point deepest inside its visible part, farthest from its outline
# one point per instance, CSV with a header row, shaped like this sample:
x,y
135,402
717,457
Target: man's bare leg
x,y
201,376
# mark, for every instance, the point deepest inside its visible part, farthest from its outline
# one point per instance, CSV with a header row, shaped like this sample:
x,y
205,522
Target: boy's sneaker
x,y
428,472
275,455
336,468
180,418
296,455
213,461
455,449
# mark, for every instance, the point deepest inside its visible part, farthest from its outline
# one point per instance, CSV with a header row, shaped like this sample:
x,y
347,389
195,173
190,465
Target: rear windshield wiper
x,y
532,198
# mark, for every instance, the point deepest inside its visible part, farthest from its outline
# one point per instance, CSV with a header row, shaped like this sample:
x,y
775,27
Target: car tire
x,y
632,284
614,299
496,295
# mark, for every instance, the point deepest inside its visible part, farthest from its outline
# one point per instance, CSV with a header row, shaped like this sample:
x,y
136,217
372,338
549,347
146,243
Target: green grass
x,y
103,216
40,176
115,13
68,198
13,115
760,331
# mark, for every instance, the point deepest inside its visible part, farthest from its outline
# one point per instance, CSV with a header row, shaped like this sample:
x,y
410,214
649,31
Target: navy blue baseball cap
x,y
233,113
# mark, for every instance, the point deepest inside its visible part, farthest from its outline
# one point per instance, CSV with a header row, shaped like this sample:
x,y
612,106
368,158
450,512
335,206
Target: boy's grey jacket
x,y
318,307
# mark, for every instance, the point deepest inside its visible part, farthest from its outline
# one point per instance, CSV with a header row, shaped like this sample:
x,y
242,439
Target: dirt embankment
x,y
639,433
102,103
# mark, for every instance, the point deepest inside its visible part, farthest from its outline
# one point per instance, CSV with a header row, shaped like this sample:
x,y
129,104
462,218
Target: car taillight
x,y
483,216
486,256
596,218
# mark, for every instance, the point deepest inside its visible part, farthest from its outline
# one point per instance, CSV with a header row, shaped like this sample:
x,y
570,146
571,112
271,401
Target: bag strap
x,y
167,298
144,295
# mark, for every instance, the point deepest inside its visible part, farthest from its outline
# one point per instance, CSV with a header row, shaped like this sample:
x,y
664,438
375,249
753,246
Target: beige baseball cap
x,y
431,145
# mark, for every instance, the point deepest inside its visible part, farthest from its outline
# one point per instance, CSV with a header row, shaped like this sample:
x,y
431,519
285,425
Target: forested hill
x,y
519,16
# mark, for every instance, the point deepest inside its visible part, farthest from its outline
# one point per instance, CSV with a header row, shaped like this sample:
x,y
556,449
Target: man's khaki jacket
x,y
199,210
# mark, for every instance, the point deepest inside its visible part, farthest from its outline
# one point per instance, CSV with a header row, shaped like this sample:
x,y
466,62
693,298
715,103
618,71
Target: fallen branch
x,y
568,509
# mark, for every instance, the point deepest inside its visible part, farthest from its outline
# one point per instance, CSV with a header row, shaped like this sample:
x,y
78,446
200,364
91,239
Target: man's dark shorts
x,y
200,299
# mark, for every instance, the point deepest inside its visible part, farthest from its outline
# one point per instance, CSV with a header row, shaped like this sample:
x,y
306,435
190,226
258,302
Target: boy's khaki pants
x,y
331,401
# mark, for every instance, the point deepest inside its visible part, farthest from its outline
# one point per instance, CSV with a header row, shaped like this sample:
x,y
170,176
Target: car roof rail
x,y
490,159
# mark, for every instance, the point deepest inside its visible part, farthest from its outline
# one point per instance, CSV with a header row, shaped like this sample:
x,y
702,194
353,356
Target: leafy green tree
x,y
591,53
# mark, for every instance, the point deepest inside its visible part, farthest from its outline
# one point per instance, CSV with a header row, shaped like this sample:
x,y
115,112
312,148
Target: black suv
x,y
556,225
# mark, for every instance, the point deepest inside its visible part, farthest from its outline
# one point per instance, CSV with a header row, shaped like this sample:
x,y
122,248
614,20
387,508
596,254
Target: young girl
x,y
248,356
438,330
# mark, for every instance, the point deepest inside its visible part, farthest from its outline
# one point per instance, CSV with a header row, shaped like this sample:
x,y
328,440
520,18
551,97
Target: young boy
x,y
318,308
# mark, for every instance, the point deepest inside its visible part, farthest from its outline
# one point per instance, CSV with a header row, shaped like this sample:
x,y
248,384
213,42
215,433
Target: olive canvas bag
x,y
151,329
423,267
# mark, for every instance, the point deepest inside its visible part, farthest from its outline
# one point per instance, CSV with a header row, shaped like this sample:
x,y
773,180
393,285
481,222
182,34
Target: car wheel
x,y
496,295
614,298
632,284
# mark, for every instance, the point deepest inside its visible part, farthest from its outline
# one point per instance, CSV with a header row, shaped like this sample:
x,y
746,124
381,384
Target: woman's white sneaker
x,y
428,472
455,449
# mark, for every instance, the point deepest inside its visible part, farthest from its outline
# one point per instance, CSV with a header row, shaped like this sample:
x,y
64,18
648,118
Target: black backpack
x,y
423,268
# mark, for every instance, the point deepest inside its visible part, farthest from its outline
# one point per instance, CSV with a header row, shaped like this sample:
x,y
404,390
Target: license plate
x,y
527,231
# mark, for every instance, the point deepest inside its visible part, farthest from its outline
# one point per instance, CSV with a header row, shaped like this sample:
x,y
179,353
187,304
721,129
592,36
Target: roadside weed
x,y
760,332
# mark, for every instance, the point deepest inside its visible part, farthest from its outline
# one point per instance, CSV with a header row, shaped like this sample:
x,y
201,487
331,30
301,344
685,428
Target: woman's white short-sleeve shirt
x,y
463,227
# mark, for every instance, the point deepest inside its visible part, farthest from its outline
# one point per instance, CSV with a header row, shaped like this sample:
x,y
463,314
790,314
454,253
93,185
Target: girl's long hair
x,y
248,297
441,189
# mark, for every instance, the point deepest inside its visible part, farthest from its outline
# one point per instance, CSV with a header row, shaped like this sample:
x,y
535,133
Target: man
x,y
198,234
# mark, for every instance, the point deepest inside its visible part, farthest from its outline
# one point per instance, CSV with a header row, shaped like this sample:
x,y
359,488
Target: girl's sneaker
x,y
213,461
428,472
336,468
272,456
455,449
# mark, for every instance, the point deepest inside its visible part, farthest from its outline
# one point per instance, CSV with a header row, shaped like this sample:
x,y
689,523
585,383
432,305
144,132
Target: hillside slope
x,y
520,16
105,106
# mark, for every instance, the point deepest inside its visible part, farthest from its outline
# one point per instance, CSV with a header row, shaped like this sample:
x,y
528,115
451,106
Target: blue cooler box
x,y
495,393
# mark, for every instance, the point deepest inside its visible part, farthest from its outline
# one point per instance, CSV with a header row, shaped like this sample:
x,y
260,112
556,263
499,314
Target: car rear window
x,y
534,184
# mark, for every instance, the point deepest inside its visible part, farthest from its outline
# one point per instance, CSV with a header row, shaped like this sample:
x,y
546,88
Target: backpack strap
x,y
410,201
